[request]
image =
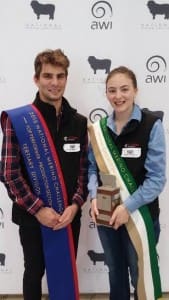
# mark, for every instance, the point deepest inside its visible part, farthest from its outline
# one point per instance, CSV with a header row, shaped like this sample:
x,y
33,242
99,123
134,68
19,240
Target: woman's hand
x,y
119,217
94,210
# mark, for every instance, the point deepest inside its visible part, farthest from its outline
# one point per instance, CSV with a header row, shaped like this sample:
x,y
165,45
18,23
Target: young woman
x,y
129,144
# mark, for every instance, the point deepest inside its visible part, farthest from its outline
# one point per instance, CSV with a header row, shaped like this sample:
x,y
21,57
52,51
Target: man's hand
x,y
119,217
47,216
67,216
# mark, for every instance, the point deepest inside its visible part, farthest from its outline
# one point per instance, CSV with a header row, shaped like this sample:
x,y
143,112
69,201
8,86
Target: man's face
x,y
51,83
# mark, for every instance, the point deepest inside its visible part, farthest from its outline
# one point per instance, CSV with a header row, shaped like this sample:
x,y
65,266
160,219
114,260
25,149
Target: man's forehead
x,y
49,68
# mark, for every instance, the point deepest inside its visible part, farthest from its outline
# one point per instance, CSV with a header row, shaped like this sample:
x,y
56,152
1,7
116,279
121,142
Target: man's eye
x,y
47,76
61,76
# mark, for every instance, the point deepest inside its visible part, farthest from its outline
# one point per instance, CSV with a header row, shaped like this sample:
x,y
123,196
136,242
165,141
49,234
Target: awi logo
x,y
157,66
102,12
97,114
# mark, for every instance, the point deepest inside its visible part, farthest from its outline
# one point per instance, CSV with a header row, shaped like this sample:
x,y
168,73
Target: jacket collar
x,y
132,123
49,111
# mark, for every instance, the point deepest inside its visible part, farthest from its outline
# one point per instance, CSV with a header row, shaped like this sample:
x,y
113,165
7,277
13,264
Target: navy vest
x,y
137,134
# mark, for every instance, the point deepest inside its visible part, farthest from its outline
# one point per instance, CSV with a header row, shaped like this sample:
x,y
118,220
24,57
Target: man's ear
x,y
35,79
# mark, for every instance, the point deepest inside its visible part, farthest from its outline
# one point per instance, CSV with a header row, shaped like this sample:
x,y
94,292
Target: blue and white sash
x,y
46,177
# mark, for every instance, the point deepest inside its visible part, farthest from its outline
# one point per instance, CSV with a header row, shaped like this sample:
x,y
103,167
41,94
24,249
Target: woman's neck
x,y
121,119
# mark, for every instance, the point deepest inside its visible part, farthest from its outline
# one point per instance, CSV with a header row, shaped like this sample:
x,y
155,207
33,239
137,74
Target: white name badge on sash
x,y
133,152
71,147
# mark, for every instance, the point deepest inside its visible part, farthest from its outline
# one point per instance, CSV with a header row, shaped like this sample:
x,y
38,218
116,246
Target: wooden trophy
x,y
108,197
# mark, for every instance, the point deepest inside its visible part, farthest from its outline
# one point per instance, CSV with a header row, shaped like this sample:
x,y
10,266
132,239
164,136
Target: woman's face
x,y
121,92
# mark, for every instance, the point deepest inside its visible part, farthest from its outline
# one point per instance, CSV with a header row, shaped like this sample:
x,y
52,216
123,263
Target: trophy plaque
x,y
108,197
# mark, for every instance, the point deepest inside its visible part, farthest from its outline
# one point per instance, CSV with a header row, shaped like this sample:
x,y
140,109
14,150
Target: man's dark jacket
x,y
72,129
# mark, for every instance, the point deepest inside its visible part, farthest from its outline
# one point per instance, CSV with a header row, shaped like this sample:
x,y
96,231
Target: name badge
x,y
131,152
71,147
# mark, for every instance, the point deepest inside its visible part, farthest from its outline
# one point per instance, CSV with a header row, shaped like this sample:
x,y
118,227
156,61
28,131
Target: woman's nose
x,y
118,94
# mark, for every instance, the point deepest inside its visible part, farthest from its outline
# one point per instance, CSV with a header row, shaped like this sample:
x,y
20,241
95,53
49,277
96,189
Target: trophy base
x,y
107,200
103,218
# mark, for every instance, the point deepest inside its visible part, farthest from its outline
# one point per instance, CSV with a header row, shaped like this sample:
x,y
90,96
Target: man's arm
x,y
11,174
17,187
81,192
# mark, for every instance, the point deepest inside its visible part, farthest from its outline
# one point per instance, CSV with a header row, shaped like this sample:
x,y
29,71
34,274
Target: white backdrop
x,y
123,32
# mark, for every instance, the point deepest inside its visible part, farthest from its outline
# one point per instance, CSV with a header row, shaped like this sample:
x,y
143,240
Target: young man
x,y
44,168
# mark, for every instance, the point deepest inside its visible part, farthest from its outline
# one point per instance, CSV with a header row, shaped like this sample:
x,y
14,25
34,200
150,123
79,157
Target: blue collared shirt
x,y
155,165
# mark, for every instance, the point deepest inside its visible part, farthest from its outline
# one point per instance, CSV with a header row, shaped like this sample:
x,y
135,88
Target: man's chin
x,y
54,98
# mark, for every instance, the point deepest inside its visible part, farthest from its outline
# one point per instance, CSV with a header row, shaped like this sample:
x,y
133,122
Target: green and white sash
x,y
140,226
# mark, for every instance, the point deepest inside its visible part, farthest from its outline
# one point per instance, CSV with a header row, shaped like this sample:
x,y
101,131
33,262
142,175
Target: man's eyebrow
x,y
62,73
59,74
46,73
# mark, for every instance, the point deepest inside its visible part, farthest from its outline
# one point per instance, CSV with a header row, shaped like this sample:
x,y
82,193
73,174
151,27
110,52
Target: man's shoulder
x,y
80,116
72,113
80,119
17,110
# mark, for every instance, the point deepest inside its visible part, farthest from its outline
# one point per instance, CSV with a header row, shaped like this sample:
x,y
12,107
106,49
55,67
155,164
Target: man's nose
x,y
55,80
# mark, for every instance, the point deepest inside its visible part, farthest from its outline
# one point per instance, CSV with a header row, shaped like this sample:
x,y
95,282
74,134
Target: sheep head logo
x,y
99,64
43,9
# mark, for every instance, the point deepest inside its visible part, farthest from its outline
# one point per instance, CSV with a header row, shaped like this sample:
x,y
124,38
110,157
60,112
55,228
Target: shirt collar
x,y
136,115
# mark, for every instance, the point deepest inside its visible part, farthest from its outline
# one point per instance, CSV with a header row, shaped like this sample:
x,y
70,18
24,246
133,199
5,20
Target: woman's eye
x,y
125,90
